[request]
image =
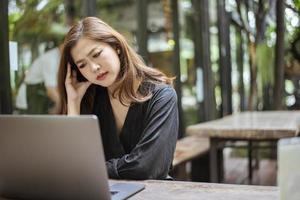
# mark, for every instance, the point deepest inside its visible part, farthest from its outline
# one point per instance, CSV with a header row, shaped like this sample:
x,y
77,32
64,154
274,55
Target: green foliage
x,y
265,63
297,4
13,18
33,25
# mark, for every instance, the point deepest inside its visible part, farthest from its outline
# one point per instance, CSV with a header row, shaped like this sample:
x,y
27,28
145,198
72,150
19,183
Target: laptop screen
x,y
52,157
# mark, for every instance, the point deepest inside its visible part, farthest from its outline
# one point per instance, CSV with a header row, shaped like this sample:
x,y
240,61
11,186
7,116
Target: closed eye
x,y
82,65
97,54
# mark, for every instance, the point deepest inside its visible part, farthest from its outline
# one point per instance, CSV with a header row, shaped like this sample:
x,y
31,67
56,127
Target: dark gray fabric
x,y
145,147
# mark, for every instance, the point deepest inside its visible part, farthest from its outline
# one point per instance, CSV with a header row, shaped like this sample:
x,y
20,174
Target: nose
x,y
95,67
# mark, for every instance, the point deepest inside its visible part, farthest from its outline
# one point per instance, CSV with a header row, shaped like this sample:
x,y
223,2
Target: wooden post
x,y
5,88
240,67
224,58
70,12
202,56
279,55
176,62
142,36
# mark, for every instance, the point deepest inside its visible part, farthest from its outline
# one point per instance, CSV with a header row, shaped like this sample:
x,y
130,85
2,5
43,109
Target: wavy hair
x,y
132,65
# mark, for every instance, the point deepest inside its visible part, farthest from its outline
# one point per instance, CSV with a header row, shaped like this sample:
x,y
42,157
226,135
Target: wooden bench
x,y
187,149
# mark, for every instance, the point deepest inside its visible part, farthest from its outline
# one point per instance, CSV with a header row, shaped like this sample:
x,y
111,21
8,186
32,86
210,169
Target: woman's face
x,y
97,61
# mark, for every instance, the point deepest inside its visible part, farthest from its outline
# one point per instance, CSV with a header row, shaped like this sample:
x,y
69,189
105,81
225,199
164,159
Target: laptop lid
x,y
52,157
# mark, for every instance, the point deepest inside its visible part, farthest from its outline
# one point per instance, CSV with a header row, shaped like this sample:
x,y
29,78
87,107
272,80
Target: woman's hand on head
x,y
75,89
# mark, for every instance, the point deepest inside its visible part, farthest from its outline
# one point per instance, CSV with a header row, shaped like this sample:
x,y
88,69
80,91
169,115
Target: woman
x,y
136,105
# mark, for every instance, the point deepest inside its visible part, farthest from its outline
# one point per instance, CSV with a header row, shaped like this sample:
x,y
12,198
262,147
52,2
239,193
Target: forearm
x,y
73,108
150,159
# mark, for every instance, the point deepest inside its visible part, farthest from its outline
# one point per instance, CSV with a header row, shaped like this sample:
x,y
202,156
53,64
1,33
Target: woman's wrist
x,y
73,108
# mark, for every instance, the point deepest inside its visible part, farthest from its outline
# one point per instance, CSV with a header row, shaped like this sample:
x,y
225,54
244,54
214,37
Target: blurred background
x,y
228,55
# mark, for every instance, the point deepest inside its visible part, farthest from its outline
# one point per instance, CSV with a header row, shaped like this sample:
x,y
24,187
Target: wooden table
x,y
203,191
249,126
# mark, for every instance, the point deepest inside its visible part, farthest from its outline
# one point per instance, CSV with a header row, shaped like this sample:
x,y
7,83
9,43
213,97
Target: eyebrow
x,y
91,51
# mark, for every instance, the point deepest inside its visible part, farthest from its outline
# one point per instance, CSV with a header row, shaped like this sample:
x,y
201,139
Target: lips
x,y
102,76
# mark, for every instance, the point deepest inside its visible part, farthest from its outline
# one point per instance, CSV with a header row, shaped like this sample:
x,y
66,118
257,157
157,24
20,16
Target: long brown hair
x,y
132,65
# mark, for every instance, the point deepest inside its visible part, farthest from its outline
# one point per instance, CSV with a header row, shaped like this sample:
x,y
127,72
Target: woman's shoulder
x,y
163,90
163,98
155,87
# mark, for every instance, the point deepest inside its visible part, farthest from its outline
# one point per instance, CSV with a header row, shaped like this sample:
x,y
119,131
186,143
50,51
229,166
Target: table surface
x,y
250,125
203,191
178,190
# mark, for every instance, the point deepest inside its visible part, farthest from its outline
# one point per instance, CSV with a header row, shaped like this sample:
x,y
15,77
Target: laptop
x,y
55,157
288,174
